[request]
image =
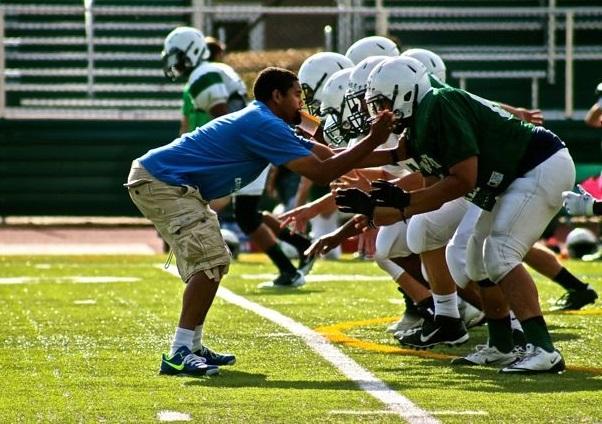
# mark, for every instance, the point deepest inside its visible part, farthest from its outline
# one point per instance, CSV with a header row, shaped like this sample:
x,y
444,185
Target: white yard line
x,y
367,381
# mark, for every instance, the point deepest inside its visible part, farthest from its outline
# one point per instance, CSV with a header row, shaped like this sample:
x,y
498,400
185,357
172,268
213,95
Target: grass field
x,y
82,337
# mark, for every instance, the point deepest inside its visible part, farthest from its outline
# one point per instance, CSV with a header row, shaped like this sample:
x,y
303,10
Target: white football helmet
x,y
431,60
354,97
371,46
397,84
183,49
333,104
314,72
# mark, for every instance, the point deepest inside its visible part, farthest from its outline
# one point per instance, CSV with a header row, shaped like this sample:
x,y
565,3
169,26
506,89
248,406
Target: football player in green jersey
x,y
514,172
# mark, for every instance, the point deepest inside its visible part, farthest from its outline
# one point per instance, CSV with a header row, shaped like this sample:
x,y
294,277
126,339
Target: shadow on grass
x,y
434,373
233,379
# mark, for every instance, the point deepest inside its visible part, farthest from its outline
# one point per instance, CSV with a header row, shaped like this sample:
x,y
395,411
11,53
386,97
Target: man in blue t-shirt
x,y
172,185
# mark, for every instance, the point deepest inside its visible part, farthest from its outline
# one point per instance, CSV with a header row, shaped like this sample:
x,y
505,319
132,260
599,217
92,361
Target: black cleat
x,y
443,330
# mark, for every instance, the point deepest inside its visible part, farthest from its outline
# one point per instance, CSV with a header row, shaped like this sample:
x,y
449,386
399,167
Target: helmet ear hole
x,y
407,96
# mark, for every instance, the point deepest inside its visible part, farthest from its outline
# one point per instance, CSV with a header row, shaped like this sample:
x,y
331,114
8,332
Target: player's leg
x,y
578,294
518,220
299,241
182,218
250,221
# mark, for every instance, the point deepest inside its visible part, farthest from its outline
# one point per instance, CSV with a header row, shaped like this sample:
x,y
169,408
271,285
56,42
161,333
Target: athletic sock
x,y
279,259
568,281
536,333
182,337
299,241
197,339
411,308
500,333
446,304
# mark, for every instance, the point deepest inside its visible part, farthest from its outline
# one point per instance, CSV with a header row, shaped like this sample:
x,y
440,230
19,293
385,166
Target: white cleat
x,y
488,355
536,360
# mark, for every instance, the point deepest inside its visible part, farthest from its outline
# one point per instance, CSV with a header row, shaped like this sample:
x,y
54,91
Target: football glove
x,y
578,203
354,200
387,194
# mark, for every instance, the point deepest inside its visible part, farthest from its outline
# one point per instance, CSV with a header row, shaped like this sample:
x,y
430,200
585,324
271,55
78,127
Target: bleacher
x,y
71,125
47,66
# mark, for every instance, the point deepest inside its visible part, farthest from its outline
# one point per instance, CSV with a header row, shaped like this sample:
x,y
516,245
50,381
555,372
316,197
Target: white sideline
x,y
347,366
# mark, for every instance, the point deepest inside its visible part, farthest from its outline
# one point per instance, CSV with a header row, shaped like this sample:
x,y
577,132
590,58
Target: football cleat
x,y
214,358
407,322
574,300
536,360
471,315
297,279
187,363
488,355
306,263
443,330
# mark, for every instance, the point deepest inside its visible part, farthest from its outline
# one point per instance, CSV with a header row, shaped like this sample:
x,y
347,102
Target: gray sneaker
x,y
406,322
285,281
487,355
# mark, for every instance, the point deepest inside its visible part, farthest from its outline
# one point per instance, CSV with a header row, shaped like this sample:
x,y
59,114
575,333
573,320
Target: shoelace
x,y
206,352
527,353
194,360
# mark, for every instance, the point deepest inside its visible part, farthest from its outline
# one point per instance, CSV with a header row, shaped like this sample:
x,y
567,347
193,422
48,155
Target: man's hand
x,y
297,218
578,204
349,180
534,116
387,194
323,245
381,127
367,242
354,200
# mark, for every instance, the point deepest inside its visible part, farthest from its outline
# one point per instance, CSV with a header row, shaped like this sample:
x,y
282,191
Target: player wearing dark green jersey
x,y
513,171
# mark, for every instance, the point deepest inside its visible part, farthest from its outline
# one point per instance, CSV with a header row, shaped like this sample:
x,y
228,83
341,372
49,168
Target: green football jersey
x,y
196,118
451,125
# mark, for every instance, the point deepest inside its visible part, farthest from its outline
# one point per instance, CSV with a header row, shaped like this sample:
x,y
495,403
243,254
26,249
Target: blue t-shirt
x,y
228,153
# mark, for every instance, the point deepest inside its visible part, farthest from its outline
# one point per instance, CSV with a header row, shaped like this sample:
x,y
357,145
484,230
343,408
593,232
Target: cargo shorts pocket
x,y
196,237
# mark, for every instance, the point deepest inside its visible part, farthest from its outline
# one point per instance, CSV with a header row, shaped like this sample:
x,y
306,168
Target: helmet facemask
x,y
338,129
359,118
312,104
402,108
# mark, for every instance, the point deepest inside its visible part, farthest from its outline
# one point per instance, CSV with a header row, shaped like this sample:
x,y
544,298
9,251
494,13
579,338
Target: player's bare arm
x,y
323,171
461,180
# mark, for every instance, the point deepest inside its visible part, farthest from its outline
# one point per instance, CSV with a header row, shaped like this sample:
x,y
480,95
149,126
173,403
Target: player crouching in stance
x,y
172,185
513,171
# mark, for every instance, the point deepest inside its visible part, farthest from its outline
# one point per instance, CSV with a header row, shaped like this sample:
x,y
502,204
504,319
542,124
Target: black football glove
x,y
354,200
387,194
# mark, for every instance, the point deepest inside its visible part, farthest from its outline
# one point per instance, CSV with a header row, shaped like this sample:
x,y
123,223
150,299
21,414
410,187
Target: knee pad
x,y
500,257
424,235
391,241
390,267
455,256
246,214
475,264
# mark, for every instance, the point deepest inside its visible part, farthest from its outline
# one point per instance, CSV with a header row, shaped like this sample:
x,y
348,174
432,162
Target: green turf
x,y
89,352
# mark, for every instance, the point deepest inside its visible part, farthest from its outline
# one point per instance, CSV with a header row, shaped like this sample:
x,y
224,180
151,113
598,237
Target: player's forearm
x,y
344,162
324,204
434,196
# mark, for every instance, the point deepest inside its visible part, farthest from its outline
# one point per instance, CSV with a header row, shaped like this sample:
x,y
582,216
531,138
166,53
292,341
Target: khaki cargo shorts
x,y
184,220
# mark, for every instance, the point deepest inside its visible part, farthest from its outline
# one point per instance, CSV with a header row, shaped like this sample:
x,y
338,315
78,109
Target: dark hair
x,y
215,47
271,79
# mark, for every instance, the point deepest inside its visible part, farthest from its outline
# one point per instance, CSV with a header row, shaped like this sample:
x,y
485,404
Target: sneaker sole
x,y
453,343
270,285
559,368
209,372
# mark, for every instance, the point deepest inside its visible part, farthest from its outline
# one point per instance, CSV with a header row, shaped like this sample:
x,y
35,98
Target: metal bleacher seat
x,y
48,62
